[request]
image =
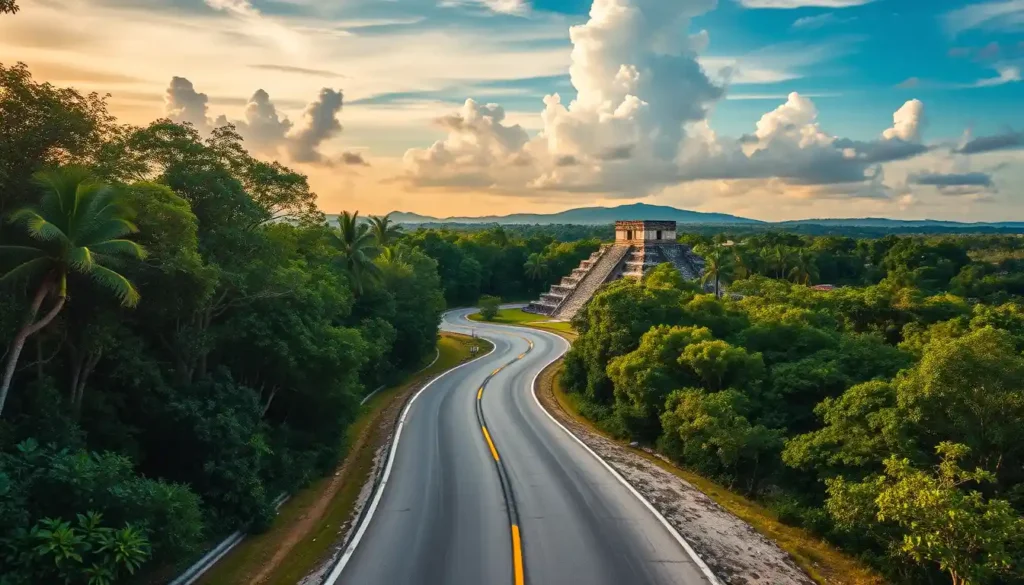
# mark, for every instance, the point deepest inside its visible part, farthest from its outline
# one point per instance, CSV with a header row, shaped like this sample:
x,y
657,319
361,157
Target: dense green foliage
x,y
495,262
167,398
885,415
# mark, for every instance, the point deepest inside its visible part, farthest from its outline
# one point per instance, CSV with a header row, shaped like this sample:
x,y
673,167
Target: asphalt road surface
x,y
442,517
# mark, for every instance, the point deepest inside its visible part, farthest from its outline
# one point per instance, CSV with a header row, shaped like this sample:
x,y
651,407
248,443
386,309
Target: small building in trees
x,y
639,246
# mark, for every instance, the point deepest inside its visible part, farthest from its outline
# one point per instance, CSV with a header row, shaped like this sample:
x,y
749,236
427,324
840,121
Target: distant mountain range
x,y
586,216
608,215
881,222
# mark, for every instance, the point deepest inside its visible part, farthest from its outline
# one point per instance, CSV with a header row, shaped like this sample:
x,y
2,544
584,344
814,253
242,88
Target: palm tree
x,y
743,264
78,227
778,259
536,268
804,268
716,266
392,256
383,230
356,247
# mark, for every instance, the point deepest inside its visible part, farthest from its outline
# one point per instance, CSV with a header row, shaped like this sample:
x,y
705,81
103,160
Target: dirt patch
x,y
735,552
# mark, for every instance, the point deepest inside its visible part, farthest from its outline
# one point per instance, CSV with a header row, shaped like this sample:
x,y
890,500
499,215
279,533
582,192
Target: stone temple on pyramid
x,y
639,246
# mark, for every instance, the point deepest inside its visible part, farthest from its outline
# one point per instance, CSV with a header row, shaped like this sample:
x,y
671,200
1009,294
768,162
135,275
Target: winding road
x,y
484,487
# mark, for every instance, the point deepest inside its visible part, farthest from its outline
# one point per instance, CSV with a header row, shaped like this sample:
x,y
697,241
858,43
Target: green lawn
x,y
520,317
313,547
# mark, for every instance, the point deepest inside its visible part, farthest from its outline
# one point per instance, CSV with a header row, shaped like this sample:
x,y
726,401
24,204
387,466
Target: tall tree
x,y
392,256
779,259
717,264
942,520
804,269
384,231
44,126
8,6
356,247
536,267
78,227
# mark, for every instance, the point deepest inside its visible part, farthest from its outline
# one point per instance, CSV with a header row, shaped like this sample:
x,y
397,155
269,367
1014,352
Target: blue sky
x,y
862,62
774,109
890,41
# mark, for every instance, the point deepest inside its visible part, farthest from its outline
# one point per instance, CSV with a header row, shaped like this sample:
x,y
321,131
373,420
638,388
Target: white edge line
x,y
347,556
704,568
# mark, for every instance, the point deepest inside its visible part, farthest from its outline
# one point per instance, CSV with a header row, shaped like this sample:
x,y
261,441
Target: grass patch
x,y
314,545
820,560
521,317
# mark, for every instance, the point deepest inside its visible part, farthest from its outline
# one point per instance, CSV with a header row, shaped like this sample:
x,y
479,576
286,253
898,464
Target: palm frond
x,y
81,259
115,283
97,204
120,248
110,229
26,271
38,227
60,186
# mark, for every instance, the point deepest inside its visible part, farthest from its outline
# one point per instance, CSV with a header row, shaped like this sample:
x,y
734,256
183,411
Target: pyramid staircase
x,y
551,301
639,247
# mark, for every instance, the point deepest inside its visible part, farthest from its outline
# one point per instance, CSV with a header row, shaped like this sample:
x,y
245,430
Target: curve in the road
x,y
700,564
447,521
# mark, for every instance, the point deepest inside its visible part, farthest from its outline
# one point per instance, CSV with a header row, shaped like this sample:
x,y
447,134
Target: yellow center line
x,y
517,557
490,444
480,393
521,356
495,372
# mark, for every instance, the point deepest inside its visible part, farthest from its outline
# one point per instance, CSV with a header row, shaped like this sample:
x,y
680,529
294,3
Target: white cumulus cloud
x,y
318,123
638,83
262,127
183,104
907,122
639,124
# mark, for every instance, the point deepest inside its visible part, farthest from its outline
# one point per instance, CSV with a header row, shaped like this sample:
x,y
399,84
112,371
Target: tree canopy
x,y
881,414
167,397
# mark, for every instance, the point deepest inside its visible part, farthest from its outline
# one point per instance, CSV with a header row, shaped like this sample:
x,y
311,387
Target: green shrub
x,y
489,307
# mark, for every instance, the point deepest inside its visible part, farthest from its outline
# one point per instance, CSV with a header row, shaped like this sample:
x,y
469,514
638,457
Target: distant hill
x,y
881,222
608,215
586,216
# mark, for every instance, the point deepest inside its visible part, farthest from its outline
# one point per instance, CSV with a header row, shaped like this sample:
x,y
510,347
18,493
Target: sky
x,y
769,109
